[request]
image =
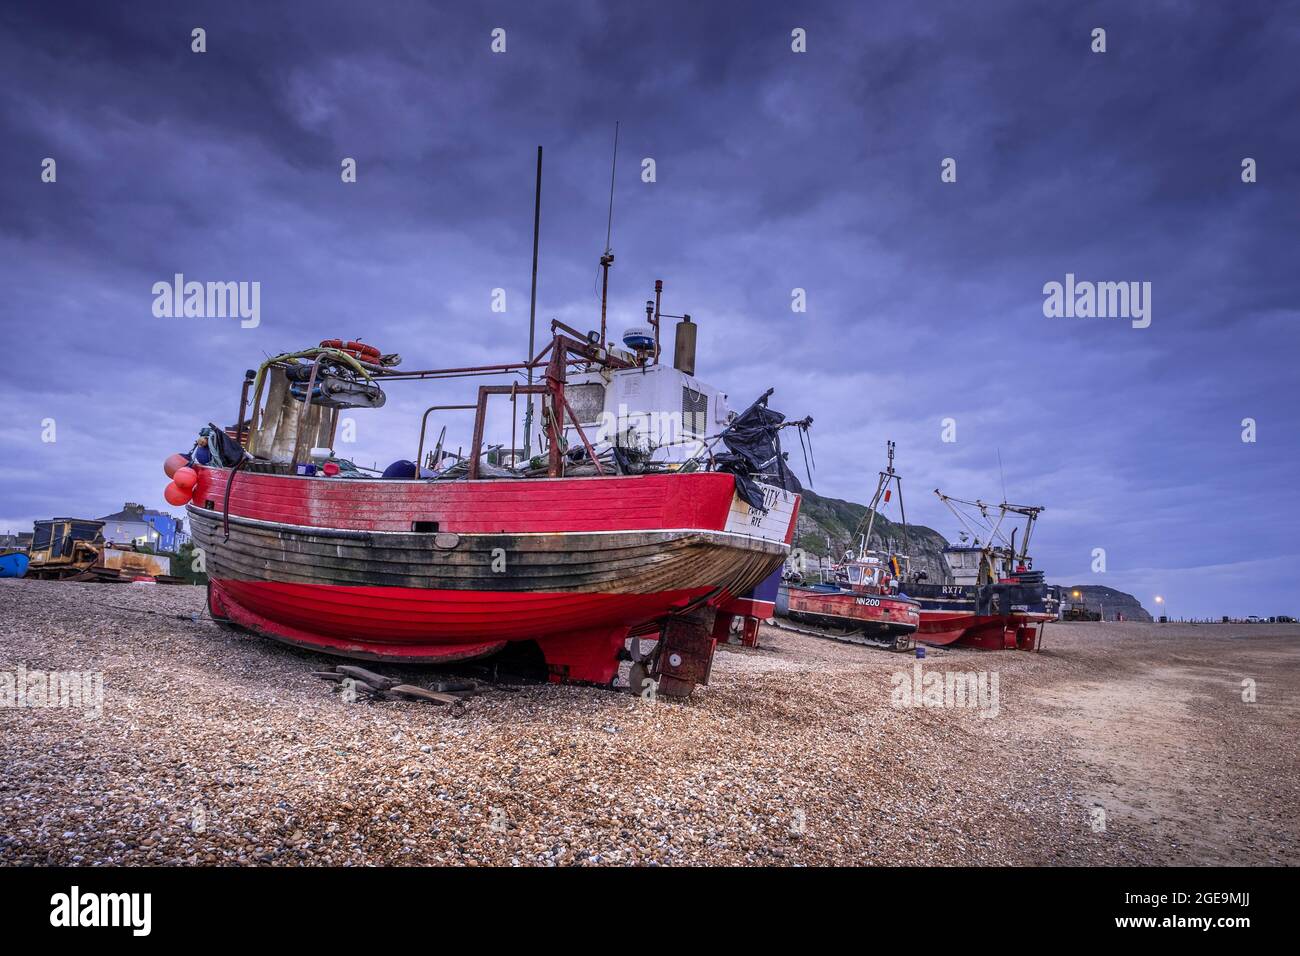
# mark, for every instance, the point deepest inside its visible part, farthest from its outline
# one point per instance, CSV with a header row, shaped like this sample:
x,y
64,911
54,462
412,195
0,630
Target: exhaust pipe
x,y
684,347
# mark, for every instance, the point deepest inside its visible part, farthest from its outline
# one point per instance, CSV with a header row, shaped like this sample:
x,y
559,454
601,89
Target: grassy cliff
x,y
827,527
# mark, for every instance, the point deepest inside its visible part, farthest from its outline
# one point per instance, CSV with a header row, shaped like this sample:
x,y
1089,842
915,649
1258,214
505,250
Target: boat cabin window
x,y
587,399
855,575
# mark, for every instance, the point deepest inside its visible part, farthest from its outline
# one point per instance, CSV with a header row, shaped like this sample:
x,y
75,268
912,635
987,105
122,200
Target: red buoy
x,y
176,495
174,463
185,479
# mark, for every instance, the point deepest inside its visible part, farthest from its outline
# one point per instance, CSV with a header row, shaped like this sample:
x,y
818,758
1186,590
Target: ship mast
x,y
887,477
1030,513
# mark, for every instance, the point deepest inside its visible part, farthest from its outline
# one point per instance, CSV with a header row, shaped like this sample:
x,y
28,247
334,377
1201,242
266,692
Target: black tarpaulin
x,y
225,450
754,454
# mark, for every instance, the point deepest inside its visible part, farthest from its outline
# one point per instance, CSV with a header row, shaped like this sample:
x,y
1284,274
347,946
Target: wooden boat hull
x,y
576,565
880,616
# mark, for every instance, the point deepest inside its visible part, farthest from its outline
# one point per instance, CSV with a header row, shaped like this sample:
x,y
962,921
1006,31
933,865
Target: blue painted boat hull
x,y
13,565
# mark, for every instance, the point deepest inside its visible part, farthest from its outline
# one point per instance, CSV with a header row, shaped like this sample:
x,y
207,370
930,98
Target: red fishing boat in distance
x,y
852,603
647,509
858,598
992,599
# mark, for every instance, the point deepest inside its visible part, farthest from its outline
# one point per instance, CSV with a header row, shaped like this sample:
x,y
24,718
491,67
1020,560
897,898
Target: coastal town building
x,y
136,524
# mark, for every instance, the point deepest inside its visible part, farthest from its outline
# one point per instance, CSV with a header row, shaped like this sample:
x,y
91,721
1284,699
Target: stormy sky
x,y
775,170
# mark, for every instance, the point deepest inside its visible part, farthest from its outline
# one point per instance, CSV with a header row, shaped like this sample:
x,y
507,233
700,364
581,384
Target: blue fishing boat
x,y
13,564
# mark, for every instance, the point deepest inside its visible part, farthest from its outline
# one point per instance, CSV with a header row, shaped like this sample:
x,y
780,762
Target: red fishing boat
x,y
855,602
991,598
614,530
574,563
858,599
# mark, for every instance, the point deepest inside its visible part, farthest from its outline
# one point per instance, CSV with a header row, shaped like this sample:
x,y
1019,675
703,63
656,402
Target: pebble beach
x,y
1117,744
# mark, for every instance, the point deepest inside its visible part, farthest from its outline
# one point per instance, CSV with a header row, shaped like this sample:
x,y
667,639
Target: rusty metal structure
x,y
74,549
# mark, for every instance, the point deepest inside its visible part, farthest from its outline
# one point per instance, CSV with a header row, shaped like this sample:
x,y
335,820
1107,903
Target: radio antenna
x,y
607,258
532,309
613,166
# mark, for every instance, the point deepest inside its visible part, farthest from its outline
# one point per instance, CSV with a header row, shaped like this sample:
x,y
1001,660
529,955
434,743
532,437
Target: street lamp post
x,y
1161,601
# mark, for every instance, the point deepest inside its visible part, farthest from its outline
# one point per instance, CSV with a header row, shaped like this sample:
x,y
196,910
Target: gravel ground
x,y
217,748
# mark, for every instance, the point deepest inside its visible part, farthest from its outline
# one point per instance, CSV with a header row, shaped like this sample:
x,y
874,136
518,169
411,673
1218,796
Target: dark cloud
x,y
775,171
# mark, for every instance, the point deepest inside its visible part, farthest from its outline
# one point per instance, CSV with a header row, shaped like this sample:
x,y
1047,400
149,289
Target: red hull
x,y
983,631
420,626
533,506
413,623
407,570
871,614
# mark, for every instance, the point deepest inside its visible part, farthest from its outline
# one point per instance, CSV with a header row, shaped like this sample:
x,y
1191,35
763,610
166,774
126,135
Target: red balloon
x,y
185,479
174,463
176,495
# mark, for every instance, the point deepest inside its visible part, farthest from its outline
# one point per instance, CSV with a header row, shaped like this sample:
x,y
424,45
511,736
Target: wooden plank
x,y
419,693
378,681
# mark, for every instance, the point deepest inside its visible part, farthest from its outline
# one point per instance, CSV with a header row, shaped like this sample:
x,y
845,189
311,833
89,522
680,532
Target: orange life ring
x,y
367,352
